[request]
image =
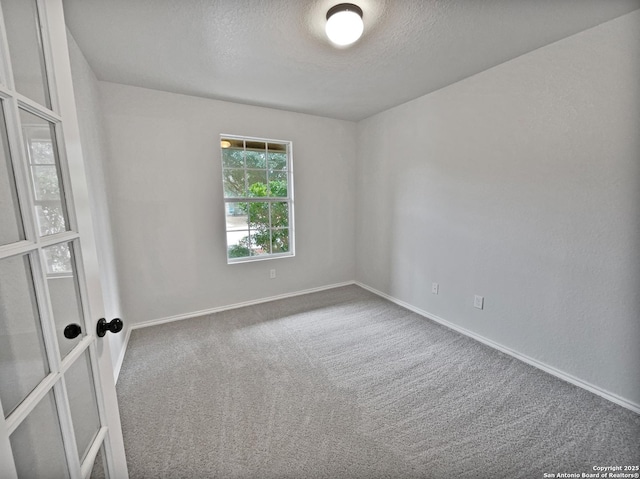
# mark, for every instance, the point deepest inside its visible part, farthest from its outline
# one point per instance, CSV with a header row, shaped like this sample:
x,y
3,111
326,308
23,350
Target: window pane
x,y
64,293
40,431
25,47
231,143
258,215
256,159
278,184
232,158
237,230
238,244
237,217
277,147
277,161
259,224
233,181
39,135
255,145
260,241
22,352
10,217
279,215
280,240
83,403
257,181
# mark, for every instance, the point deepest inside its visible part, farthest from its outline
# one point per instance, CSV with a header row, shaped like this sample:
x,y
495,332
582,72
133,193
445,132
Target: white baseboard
x,y
218,309
526,359
123,350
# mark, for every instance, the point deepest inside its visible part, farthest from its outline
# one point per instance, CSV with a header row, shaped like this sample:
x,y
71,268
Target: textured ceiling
x,y
274,52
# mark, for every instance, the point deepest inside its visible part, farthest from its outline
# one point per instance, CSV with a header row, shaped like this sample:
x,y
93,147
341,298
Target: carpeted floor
x,y
344,384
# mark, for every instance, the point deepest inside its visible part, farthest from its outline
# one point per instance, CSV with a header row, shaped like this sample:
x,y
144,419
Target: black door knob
x,y
115,326
72,331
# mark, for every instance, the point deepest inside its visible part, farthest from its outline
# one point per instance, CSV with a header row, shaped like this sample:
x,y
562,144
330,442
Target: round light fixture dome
x,y
344,24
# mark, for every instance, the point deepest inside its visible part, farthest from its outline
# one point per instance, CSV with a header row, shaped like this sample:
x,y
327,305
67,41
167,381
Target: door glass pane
x,y
10,218
98,471
22,354
25,48
37,443
83,404
39,136
64,293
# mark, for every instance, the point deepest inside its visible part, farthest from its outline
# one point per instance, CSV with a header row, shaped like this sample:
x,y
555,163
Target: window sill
x,y
252,259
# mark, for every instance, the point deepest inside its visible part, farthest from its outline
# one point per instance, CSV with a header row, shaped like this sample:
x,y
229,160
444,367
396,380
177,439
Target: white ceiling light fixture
x,y
344,24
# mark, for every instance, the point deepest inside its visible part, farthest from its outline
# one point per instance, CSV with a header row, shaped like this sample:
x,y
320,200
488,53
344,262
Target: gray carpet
x,y
344,384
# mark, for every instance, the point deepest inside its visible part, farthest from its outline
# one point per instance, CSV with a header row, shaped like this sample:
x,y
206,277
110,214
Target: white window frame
x,y
263,199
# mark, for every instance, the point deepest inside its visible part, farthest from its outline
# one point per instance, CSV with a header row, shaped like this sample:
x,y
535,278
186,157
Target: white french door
x,y
58,409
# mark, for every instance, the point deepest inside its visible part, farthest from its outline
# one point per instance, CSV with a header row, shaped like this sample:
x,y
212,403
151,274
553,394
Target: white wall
x,y
521,184
96,157
166,198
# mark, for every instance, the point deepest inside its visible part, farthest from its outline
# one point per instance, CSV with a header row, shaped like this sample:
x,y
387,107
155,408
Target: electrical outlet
x,y
478,302
272,273
434,288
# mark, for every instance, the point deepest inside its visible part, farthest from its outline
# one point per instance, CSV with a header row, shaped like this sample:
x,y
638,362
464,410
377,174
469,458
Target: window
x,y
257,180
